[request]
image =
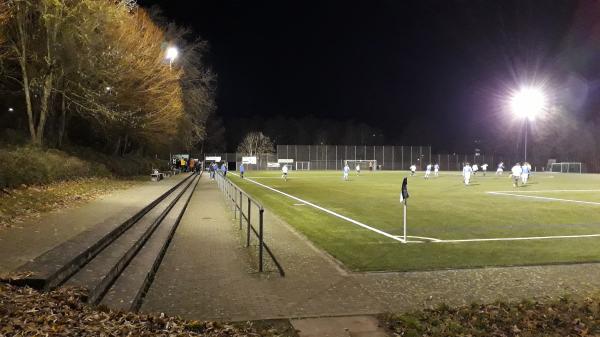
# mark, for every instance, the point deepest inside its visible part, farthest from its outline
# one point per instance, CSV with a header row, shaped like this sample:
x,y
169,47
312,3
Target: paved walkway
x,y
31,239
207,274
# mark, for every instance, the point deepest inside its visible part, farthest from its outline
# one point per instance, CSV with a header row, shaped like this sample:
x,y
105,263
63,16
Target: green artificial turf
x,y
442,208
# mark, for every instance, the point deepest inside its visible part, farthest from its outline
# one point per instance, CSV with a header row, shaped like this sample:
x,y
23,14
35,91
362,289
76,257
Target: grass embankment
x,y
559,318
34,180
26,165
441,208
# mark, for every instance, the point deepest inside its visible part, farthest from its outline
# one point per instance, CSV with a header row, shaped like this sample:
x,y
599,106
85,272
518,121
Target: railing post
x,y
260,240
234,203
248,219
241,210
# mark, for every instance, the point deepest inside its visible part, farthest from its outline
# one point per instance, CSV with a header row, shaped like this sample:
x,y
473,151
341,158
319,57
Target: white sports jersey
x,y
475,167
413,168
467,170
436,167
358,167
284,169
429,167
346,169
484,167
517,171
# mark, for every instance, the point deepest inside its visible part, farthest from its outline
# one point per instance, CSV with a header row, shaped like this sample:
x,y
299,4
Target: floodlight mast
x,y
527,103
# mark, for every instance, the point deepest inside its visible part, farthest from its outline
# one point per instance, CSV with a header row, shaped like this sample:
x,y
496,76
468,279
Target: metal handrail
x,y
232,191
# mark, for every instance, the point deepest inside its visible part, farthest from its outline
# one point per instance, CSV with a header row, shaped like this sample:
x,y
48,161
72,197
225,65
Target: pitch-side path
x,y
206,274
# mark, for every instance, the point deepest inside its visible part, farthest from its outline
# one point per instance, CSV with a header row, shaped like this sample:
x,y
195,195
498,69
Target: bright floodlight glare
x,y
172,53
528,102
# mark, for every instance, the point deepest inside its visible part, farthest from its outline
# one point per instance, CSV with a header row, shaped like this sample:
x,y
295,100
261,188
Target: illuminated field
x,y
553,219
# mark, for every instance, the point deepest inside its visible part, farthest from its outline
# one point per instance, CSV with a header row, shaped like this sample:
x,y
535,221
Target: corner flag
x,y
404,193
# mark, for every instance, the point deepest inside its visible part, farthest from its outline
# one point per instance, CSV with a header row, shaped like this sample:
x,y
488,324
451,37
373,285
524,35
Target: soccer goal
x,y
570,167
365,164
302,166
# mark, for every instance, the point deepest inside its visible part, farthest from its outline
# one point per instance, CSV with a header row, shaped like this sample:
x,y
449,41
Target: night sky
x,y
424,72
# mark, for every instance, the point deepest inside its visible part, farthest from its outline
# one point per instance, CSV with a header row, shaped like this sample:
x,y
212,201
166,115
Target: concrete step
x,y
128,290
346,326
97,275
59,263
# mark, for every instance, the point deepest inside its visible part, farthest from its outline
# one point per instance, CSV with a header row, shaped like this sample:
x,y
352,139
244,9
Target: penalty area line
x,y
327,211
545,198
521,239
543,191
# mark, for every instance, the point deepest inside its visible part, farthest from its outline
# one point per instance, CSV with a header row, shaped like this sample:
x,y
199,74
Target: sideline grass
x,y
441,208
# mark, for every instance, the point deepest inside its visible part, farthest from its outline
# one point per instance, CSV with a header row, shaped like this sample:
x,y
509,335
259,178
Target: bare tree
x,y
255,143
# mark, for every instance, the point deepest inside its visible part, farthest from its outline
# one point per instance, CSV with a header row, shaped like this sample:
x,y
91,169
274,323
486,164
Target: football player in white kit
x,y
346,171
484,168
467,171
515,173
284,172
427,171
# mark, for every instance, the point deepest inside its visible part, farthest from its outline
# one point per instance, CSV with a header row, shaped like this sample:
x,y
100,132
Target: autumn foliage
x,y
103,63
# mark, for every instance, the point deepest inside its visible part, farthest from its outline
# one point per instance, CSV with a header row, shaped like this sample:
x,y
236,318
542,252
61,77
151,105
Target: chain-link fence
x,y
388,157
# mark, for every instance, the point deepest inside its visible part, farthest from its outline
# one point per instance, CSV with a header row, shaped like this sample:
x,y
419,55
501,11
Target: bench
x,y
157,176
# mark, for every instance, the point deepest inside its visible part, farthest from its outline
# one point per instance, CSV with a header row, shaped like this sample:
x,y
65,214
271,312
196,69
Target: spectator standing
x,y
224,169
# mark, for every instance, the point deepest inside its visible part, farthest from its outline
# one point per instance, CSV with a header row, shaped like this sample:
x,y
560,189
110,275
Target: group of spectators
x,y
213,169
185,165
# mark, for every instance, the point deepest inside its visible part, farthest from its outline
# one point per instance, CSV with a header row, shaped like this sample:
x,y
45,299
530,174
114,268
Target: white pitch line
x,y
327,211
433,240
419,237
521,239
546,198
543,191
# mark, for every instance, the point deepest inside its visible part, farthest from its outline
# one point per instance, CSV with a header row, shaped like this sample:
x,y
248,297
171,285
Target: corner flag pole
x,y
403,196
404,220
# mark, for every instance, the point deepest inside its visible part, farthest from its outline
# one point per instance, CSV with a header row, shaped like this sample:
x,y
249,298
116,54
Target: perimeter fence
x,y
388,157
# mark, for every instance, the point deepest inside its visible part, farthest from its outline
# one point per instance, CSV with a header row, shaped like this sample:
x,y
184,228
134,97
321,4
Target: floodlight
x,y
172,54
528,102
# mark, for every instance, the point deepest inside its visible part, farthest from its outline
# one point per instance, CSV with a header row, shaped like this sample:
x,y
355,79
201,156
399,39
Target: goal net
x,y
570,167
302,165
365,165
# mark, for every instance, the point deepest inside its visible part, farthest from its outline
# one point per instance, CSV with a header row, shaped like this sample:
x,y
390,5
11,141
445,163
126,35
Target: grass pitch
x,y
553,219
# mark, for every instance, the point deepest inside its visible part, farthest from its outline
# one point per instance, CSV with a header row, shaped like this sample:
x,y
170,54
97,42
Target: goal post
x,y
566,167
365,164
302,166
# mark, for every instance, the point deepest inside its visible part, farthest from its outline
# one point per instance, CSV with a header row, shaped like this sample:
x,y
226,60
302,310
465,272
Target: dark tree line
x,y
305,130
